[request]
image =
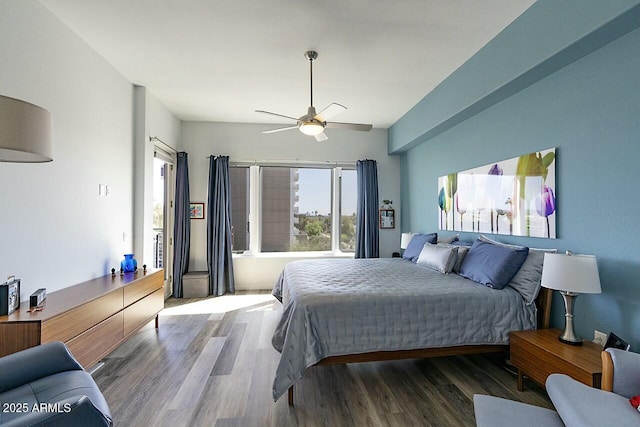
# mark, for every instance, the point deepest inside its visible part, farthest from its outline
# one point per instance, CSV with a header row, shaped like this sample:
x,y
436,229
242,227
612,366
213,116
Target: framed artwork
x,y
387,218
515,196
196,210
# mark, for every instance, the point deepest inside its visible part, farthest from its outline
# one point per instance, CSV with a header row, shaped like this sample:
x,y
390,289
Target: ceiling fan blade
x,y
276,114
330,111
279,129
351,126
321,137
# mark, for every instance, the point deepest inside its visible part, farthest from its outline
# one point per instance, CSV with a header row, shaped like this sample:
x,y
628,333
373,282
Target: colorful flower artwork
x,y
515,196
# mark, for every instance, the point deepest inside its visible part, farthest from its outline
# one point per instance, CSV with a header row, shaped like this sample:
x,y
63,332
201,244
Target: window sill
x,y
309,254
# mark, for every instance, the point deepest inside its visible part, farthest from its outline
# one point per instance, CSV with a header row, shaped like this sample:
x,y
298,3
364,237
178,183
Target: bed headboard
x,y
543,303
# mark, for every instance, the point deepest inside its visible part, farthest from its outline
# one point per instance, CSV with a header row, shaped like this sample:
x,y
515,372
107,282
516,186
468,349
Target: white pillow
x,y
440,258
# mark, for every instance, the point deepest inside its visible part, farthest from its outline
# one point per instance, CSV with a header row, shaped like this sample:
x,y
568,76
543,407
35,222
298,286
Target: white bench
x,y
195,284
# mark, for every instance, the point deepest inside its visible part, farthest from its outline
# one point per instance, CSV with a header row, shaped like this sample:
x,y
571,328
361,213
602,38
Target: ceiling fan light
x,y
311,128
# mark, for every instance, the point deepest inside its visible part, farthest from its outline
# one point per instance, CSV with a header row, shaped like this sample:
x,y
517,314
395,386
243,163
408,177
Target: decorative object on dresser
x,y
26,132
128,264
538,354
92,318
37,297
9,296
571,275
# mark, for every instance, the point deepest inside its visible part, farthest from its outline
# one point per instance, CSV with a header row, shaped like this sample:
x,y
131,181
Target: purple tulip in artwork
x,y
546,205
494,186
495,170
546,202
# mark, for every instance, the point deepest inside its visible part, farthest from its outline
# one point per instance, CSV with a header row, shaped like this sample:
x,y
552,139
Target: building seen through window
x,y
295,209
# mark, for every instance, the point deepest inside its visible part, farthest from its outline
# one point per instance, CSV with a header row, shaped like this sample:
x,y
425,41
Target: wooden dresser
x,y
92,318
538,354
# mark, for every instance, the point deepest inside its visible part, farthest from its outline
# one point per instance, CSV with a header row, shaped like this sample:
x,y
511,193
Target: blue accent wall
x,y
548,36
589,109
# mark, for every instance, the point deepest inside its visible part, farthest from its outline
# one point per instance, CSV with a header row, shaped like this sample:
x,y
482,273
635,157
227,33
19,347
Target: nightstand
x,y
538,354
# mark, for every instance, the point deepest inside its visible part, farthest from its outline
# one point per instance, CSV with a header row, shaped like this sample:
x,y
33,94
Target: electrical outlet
x,y
599,338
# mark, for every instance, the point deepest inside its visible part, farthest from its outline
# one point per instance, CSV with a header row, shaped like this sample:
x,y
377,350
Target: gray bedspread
x,y
346,306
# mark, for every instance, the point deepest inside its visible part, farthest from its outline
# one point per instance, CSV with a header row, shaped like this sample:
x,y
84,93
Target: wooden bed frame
x,y
543,304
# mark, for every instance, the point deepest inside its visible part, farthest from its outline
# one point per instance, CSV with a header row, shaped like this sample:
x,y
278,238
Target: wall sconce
x,y
25,132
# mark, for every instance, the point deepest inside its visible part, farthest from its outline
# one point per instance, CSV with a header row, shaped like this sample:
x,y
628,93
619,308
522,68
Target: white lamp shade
x,y
405,239
25,132
574,273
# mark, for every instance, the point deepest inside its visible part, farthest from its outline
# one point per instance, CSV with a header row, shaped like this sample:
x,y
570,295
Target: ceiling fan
x,y
314,123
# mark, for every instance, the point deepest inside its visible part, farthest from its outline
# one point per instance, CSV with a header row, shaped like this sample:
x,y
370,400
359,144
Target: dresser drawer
x,y
90,346
139,313
143,287
77,320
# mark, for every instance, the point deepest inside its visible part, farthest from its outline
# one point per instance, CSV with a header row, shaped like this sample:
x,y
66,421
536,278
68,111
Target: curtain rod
x,y
290,162
167,147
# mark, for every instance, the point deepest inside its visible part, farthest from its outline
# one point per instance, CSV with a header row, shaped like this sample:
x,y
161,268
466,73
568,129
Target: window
x,y
291,208
296,209
239,183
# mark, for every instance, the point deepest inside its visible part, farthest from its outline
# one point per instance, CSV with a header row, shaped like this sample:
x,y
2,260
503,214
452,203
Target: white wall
x,y
56,230
245,142
152,119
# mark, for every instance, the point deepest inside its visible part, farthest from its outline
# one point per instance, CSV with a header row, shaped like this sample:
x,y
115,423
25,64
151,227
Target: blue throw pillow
x,y
416,244
492,265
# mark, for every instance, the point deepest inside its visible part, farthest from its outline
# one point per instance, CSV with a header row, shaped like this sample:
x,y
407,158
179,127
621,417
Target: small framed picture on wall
x,y
387,218
196,210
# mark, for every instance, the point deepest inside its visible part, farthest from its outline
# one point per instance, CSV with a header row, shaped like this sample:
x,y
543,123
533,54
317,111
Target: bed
x,y
356,310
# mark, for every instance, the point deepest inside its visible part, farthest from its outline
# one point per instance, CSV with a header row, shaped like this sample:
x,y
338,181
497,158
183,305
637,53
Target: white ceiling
x,y
221,60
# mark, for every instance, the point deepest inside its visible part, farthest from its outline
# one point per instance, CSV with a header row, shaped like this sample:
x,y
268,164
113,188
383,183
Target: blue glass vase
x,y
129,263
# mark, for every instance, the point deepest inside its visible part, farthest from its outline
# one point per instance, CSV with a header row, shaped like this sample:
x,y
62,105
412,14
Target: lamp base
x,y
579,342
568,336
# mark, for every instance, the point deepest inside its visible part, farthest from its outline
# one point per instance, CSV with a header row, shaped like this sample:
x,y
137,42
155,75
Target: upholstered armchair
x,y
45,385
576,404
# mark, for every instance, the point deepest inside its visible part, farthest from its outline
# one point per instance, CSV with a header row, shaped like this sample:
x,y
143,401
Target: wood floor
x,y
211,363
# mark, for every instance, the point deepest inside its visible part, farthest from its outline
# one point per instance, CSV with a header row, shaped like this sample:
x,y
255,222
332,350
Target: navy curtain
x,y
219,258
182,229
367,233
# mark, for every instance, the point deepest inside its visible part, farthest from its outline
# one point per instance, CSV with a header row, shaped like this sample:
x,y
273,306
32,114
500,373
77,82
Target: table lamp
x,y
405,239
572,275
